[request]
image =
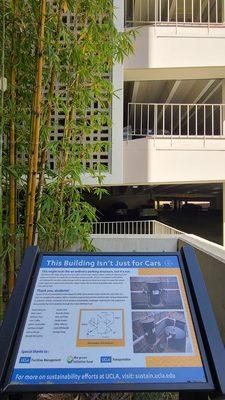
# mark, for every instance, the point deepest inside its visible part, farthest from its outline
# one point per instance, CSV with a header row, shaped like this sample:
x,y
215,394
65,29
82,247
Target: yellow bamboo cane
x,y
36,128
48,122
12,160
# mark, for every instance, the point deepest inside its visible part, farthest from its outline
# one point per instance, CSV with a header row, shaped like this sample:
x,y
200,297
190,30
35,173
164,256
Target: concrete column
x,y
223,102
224,213
175,204
119,14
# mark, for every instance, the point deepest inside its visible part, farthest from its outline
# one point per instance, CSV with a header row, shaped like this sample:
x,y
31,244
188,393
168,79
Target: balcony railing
x,y
148,227
175,120
174,12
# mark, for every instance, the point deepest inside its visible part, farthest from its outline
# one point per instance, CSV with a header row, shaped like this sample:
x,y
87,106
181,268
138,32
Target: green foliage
x,y
80,62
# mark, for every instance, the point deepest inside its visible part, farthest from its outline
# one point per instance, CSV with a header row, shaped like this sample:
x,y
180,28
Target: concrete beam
x,y
172,86
135,92
160,74
204,90
196,100
170,90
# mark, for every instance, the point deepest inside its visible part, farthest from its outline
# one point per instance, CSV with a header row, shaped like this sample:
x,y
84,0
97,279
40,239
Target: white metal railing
x,y
162,229
179,120
145,227
174,12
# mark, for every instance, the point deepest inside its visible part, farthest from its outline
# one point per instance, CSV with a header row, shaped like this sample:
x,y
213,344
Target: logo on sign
x,y
168,263
70,359
106,359
24,360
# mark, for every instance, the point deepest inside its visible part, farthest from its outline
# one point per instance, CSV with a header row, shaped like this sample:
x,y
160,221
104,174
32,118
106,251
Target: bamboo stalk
x,y
64,159
1,144
30,164
44,156
12,160
32,183
48,124
29,174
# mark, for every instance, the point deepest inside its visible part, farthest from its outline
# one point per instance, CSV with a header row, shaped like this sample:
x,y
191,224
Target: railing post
x,y
155,119
200,11
171,119
208,13
223,108
128,118
137,227
204,118
133,11
156,11
135,111
180,120
176,15
223,11
163,119
148,10
196,120
139,11
216,11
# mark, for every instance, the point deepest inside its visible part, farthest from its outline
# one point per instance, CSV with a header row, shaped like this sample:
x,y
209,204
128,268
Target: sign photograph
x,y
108,319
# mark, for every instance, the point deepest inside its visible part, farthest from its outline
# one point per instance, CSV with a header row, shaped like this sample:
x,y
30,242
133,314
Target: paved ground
x,y
204,224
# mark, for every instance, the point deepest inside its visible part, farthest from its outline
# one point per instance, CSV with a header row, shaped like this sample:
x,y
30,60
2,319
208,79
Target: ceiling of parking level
x,y
173,191
181,92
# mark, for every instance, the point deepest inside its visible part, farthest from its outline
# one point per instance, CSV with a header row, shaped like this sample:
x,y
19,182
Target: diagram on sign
x,y
100,326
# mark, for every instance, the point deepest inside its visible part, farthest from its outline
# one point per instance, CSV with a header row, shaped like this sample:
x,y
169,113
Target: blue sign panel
x,y
108,319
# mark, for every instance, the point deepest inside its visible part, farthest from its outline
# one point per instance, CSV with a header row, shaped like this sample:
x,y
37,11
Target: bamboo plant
x,y
1,158
54,67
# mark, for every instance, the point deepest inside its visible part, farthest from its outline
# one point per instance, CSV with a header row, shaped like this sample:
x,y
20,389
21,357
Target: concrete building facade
x,y
169,116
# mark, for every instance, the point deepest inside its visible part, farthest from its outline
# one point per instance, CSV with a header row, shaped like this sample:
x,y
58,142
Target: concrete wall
x,y
174,160
213,270
171,47
134,243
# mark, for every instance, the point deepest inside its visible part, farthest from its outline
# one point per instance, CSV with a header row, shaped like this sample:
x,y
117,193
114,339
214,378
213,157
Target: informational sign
x,y
96,319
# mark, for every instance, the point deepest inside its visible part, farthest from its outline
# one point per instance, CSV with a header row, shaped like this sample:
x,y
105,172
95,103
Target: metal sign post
x,y
101,322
